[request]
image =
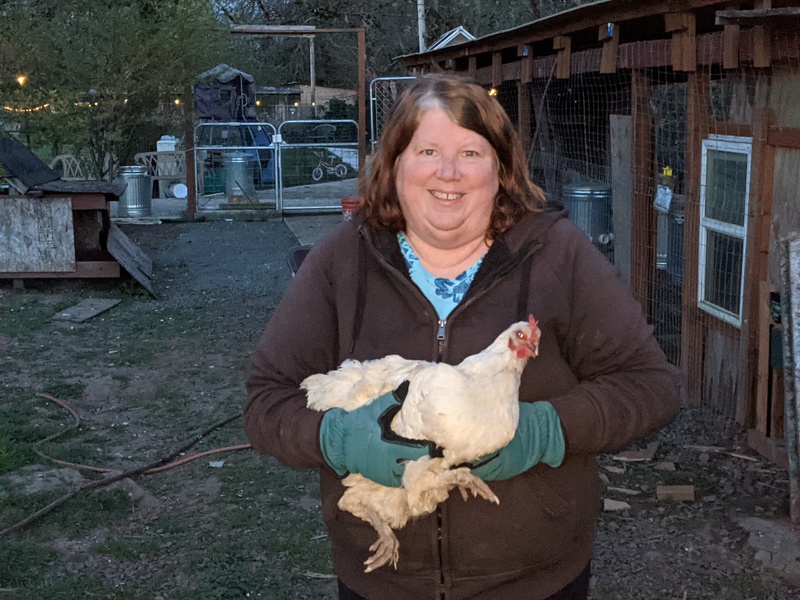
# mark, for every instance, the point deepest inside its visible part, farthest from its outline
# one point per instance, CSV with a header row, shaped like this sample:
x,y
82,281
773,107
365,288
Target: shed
x,y
55,228
672,132
225,94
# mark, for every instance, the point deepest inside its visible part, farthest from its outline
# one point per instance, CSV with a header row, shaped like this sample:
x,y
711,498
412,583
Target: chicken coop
x,y
671,132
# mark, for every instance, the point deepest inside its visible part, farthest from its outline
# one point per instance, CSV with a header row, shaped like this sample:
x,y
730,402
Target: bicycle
x,y
340,169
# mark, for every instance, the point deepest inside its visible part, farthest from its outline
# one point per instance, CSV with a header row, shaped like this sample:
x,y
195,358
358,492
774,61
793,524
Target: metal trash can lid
x,y
133,170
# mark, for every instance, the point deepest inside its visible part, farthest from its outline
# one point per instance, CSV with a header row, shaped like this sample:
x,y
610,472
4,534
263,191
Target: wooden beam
x,y
609,35
731,38
361,96
762,43
785,137
524,121
497,69
682,26
754,17
762,397
472,67
563,43
89,201
770,448
526,68
83,269
762,178
643,261
692,318
622,161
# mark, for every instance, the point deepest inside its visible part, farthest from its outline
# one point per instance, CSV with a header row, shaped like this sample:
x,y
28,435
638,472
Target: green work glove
x,y
539,438
361,442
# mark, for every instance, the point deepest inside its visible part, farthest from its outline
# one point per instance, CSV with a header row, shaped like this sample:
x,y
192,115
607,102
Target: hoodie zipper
x,y
441,339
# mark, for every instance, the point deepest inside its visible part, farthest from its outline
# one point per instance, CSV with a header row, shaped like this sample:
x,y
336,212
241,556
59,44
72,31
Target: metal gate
x,y
318,165
305,166
383,93
236,166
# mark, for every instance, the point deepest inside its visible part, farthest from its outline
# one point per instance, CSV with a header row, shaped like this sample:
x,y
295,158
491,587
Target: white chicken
x,y
469,410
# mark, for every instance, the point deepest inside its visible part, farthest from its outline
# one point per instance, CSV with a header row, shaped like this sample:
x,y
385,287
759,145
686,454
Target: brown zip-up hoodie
x,y
599,365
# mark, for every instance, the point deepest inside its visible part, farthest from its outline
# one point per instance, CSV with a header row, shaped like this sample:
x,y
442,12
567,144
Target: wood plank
x,y
684,40
772,449
84,269
761,192
731,40
762,42
85,309
790,321
36,234
762,397
526,68
785,137
563,43
643,228
472,68
497,69
678,493
524,121
692,318
721,370
608,59
89,201
131,257
621,134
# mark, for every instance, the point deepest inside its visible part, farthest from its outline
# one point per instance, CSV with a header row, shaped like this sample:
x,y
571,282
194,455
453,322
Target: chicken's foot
x,y
386,550
466,482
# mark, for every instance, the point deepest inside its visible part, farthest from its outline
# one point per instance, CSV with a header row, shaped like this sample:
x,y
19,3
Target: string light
x,y
493,92
22,79
26,110
177,101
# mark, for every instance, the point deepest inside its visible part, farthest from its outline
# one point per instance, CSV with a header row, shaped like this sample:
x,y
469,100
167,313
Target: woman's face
x,y
447,181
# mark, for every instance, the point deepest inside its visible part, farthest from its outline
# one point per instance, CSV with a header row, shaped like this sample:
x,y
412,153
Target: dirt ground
x,y
151,373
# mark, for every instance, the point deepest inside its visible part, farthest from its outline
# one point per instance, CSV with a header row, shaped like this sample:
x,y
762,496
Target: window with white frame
x,y
724,196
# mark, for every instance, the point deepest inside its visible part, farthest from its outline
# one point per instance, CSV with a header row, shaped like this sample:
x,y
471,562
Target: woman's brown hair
x,y
471,107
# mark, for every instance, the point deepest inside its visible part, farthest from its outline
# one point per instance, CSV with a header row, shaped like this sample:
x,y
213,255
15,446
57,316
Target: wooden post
x,y
472,69
692,318
790,318
642,218
188,130
622,161
524,115
762,177
362,97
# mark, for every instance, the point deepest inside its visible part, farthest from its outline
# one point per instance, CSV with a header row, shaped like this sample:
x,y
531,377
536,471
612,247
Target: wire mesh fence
x,y
664,169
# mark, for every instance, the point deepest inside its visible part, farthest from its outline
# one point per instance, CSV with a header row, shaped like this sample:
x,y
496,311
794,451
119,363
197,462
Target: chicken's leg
x,y
382,507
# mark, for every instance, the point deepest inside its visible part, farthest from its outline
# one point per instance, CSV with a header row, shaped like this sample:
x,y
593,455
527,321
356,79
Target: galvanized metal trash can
x,y
137,199
590,209
239,177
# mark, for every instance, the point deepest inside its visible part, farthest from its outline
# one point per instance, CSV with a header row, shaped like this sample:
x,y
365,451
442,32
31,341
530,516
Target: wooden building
x,y
672,132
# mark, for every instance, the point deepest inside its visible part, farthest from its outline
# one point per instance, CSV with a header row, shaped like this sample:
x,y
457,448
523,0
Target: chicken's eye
x,y
521,335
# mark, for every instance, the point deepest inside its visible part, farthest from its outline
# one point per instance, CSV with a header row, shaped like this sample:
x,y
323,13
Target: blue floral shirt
x,y
443,294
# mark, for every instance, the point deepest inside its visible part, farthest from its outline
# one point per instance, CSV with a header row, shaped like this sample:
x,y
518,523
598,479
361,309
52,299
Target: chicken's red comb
x,y
535,331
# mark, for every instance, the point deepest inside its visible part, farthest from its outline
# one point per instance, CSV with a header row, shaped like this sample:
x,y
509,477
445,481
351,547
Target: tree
x,y
108,70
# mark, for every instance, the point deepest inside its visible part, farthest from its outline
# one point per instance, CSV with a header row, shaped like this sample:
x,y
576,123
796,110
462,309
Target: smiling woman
x,y
452,246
